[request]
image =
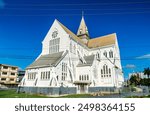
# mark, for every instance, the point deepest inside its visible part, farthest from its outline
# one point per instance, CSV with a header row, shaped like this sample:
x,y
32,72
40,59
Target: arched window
x,y
109,72
87,77
80,77
105,71
43,75
101,73
110,54
49,75
57,77
105,54
54,45
64,71
46,75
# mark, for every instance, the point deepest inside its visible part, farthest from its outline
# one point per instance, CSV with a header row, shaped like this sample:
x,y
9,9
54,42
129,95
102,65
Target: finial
x,y
82,13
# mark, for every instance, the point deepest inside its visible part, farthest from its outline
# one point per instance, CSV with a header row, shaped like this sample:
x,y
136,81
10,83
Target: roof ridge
x,y
94,42
52,53
72,34
64,27
103,36
102,41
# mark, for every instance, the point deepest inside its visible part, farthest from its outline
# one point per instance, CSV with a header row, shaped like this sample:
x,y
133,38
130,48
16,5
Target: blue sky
x,y
24,24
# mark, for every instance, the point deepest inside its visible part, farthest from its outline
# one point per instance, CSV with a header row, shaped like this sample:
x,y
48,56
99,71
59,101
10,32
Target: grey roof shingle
x,y
89,61
46,60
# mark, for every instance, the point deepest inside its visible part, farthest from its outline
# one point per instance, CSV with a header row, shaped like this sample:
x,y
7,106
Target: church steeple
x,y
83,30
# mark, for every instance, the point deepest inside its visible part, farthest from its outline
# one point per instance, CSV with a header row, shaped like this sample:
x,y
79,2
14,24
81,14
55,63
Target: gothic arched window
x,y
110,54
105,54
97,56
105,71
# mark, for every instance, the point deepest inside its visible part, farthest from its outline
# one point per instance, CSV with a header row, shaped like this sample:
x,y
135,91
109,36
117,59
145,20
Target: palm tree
x,y
147,72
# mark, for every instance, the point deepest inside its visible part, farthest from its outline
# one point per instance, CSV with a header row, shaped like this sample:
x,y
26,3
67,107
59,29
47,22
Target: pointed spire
x,y
82,28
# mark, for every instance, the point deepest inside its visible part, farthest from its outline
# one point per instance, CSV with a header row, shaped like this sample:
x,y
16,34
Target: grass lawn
x,y
14,94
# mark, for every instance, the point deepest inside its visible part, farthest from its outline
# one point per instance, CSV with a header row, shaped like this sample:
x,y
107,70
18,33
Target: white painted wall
x,y
72,59
64,38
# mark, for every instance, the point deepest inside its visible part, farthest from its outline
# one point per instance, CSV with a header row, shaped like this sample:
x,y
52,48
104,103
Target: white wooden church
x,y
74,63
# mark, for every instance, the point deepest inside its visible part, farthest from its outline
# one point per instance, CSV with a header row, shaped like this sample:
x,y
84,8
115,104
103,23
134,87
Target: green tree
x,y
135,80
144,82
147,72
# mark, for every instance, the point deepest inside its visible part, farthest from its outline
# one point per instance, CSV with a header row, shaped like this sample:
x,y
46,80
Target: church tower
x,y
83,33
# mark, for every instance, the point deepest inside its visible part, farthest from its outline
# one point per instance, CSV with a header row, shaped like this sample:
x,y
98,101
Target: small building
x,y
8,75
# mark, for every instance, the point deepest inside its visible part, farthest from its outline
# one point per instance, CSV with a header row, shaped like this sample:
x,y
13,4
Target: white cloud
x,y
2,4
147,56
130,66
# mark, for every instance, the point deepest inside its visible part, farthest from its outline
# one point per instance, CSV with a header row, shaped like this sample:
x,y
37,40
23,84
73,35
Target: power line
x,y
73,58
116,13
85,4
85,9
29,48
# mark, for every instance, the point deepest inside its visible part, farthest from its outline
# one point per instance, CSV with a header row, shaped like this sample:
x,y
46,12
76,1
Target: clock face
x,y
54,34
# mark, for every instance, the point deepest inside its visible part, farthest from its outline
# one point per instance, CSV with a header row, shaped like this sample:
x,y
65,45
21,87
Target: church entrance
x,y
82,86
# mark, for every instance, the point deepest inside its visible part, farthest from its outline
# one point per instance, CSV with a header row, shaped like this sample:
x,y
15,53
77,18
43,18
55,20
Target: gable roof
x,y
89,61
46,60
94,42
75,37
102,41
